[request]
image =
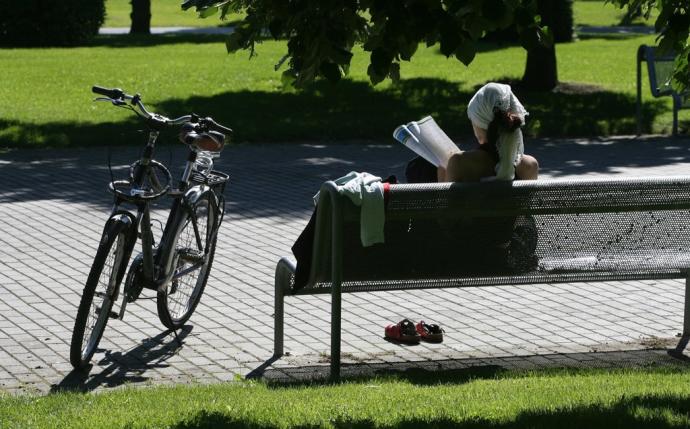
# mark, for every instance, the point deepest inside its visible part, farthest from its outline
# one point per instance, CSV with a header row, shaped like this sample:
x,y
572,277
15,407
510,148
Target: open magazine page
x,y
426,139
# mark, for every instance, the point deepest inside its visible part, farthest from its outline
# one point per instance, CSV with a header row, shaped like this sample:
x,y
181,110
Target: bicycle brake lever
x,y
116,102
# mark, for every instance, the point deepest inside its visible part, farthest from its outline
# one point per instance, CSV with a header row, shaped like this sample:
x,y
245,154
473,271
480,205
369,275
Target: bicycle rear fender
x,y
197,192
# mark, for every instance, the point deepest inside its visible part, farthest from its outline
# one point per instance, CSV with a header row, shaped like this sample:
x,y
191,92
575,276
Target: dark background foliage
x,y
49,22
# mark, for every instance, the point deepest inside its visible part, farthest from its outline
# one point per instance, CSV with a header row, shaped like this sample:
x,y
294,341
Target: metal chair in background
x,y
659,70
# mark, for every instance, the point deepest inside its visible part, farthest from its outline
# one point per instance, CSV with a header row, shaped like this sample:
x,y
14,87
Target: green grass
x,y
164,13
600,13
455,399
46,99
167,13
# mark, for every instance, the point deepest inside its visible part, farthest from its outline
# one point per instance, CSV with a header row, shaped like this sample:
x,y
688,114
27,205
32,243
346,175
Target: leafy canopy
x,y
321,33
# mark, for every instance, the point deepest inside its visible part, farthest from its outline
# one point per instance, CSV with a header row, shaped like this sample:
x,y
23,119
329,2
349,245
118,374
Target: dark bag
x,y
419,170
512,240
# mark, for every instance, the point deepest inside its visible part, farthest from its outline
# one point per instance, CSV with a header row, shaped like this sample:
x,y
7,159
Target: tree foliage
x,y
321,34
673,29
49,22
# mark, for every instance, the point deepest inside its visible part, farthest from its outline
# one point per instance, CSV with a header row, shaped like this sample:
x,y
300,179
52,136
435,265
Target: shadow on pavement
x,y
118,368
279,180
458,371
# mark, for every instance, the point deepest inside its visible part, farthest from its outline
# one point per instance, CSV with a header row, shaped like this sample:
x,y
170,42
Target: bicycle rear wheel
x,y
194,235
99,295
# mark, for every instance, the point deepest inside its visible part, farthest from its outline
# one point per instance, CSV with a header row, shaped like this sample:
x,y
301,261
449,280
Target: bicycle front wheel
x,y
194,247
99,294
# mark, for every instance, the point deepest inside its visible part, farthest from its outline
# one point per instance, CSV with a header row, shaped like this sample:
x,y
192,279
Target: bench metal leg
x,y
279,321
336,283
683,343
335,331
285,271
686,309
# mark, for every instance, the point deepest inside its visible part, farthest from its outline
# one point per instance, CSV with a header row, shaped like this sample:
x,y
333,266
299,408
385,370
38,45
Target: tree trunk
x,y
541,70
141,17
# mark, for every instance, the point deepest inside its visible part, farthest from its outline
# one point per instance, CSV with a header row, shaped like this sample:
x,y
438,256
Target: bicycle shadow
x,y
118,368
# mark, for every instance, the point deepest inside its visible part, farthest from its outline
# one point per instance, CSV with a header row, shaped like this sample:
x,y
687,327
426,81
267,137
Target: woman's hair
x,y
503,121
507,120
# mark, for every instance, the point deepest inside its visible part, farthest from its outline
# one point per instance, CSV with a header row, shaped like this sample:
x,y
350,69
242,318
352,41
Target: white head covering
x,y
481,112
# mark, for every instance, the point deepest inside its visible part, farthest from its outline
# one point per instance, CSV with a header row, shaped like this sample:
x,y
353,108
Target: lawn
x,y
476,398
178,74
46,97
164,13
167,13
601,14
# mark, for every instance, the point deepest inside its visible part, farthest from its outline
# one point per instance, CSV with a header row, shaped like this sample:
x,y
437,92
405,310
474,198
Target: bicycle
x,y
178,267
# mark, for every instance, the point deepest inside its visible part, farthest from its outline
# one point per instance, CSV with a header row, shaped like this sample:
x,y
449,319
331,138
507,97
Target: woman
x,y
496,116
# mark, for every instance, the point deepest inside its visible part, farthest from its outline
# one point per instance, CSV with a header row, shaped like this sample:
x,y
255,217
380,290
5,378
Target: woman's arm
x,y
481,134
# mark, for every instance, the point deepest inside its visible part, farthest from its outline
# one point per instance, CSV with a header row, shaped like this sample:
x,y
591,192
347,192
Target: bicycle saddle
x,y
212,141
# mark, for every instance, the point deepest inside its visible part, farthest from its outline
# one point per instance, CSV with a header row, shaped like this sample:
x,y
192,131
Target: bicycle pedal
x,y
192,256
113,315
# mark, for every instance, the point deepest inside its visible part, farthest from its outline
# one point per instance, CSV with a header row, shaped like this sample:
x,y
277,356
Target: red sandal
x,y
431,333
404,332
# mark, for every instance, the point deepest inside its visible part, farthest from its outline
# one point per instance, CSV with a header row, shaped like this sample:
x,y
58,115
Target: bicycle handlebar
x,y
115,93
119,97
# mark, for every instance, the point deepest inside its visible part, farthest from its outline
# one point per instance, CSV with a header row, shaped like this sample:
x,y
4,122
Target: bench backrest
x,y
659,69
495,233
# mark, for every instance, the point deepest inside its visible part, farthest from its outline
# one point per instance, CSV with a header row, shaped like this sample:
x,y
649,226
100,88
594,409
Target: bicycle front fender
x,y
128,224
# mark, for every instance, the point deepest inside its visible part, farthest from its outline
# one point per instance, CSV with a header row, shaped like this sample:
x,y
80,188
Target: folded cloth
x,y
364,190
304,245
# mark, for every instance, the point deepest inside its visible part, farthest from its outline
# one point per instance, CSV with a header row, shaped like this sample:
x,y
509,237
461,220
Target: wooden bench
x,y
659,70
587,230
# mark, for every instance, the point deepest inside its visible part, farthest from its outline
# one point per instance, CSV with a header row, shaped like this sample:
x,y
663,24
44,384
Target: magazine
x,y
426,139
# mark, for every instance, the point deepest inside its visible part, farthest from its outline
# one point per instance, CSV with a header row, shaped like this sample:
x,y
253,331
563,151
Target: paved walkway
x,y
170,30
53,204
580,29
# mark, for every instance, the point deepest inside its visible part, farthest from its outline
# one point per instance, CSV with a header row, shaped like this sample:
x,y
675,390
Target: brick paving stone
x,y
53,208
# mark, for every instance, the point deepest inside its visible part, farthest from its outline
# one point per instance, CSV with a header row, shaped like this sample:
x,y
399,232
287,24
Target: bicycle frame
x,y
158,262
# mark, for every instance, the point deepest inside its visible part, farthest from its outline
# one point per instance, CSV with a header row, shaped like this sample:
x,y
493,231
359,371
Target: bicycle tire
x,y
179,298
99,295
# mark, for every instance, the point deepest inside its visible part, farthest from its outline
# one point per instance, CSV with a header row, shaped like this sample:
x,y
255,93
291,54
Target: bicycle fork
x,y
147,243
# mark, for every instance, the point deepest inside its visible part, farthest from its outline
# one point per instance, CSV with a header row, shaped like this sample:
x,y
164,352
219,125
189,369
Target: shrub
x,y
49,22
